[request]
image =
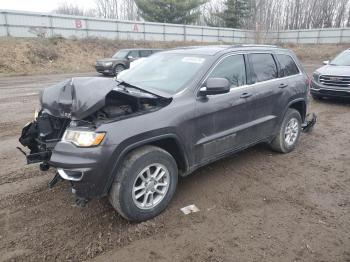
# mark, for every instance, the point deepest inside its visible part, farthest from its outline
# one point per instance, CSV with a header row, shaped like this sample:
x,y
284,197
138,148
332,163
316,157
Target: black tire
x,y
121,194
118,68
279,143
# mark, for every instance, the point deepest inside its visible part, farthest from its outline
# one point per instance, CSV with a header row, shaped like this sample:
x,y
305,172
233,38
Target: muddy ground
x,y
254,206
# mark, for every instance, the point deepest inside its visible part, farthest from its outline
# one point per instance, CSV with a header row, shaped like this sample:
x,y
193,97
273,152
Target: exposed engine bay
x,y
82,102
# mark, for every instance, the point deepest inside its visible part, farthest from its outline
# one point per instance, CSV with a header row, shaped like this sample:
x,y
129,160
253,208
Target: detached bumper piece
x,y
41,136
309,123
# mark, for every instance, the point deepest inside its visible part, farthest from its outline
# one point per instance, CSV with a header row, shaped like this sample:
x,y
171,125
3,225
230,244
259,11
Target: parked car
x,y
121,60
176,111
333,79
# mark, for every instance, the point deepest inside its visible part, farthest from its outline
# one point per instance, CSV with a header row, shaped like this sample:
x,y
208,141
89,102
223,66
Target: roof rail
x,y
253,45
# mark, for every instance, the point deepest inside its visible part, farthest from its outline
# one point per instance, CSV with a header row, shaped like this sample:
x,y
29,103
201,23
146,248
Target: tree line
x,y
245,14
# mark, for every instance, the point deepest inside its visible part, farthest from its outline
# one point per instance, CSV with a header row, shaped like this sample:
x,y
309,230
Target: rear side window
x,y
288,66
145,53
233,69
264,67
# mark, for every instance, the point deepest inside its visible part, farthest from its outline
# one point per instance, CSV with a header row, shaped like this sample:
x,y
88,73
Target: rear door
x,y
290,72
268,92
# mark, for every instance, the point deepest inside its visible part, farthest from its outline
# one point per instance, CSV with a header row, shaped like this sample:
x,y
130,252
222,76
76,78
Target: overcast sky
x,y
42,5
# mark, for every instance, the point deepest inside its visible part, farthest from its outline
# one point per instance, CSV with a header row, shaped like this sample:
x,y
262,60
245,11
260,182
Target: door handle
x,y
283,85
246,95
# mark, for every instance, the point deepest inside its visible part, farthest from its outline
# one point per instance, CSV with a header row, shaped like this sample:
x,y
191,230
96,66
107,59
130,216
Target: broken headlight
x,y
83,138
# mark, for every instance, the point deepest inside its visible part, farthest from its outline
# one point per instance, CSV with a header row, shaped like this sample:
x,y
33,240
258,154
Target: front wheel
x,y
289,132
118,69
145,184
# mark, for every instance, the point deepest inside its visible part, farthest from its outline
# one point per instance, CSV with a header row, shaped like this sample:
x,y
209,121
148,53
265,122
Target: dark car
x,y
177,111
333,79
121,60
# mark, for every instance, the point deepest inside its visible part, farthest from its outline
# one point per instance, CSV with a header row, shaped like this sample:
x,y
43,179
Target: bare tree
x,y
264,15
107,8
70,9
117,9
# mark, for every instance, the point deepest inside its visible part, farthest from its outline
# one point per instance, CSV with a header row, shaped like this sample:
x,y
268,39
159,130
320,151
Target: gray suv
x,y
121,60
130,139
333,79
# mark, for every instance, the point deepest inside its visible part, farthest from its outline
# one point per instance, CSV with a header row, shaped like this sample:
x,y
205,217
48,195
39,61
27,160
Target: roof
x,y
214,49
130,49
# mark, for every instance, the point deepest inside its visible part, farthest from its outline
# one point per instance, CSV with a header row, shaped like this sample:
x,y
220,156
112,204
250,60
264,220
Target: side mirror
x,y
130,57
215,86
326,62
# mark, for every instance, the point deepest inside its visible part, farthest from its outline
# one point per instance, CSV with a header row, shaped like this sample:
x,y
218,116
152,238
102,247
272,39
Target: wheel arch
x,y
168,142
300,106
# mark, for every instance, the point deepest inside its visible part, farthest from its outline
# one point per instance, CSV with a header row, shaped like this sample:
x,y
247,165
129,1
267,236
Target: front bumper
x,y
328,91
88,169
104,70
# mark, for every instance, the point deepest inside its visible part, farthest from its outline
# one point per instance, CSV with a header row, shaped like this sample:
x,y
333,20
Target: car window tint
x,y
145,53
288,66
134,53
264,67
233,69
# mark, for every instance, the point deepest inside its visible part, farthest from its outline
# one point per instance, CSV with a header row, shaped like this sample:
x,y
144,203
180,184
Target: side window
x,y
288,66
264,67
233,69
145,53
134,53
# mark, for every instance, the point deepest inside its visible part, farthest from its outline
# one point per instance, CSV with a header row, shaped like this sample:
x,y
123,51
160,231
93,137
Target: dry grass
x,y
27,56
317,53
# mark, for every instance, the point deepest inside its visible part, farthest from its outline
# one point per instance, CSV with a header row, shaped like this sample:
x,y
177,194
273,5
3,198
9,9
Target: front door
x,y
223,121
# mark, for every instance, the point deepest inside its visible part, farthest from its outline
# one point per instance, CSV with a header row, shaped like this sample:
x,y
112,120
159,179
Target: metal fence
x,y
30,24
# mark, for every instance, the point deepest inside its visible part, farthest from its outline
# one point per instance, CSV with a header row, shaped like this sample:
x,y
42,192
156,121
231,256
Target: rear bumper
x,y
328,91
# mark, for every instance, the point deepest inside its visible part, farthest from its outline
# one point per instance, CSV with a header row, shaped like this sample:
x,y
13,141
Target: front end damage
x,y
80,104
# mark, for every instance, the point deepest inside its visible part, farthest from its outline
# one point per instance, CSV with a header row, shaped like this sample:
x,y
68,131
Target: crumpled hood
x,y
76,98
334,70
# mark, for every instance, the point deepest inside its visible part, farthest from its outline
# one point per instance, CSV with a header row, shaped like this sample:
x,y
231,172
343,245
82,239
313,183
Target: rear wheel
x,y
144,184
289,132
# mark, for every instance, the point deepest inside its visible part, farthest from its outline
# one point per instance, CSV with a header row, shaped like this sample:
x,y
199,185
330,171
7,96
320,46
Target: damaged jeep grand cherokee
x,y
178,110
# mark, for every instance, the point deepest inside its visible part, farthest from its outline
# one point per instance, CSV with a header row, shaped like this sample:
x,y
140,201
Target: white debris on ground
x,y
189,209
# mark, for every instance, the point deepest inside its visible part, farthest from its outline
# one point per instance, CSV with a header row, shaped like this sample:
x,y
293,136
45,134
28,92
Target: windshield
x,y
164,72
343,59
120,54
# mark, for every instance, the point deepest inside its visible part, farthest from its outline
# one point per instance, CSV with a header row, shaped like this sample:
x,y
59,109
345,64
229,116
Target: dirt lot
x,y
254,206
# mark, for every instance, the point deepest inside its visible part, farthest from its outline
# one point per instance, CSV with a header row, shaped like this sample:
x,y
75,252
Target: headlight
x,y
108,63
83,138
316,76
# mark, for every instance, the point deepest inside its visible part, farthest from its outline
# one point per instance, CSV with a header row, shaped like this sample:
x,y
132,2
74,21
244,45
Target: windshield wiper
x,y
125,86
